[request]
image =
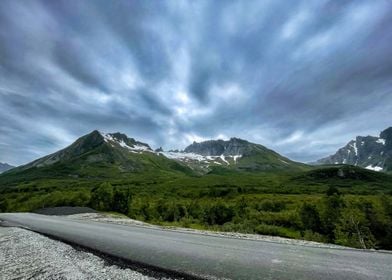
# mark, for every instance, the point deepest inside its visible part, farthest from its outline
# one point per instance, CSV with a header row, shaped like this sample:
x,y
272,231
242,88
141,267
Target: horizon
x,y
175,149
301,79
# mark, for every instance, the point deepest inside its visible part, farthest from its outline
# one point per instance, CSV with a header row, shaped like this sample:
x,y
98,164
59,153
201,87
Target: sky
x,y
300,77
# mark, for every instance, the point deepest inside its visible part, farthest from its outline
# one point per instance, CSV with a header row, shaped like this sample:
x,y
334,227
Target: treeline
x,y
333,218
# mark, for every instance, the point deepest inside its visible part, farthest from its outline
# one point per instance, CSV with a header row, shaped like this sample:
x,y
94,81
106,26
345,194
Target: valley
x,y
231,185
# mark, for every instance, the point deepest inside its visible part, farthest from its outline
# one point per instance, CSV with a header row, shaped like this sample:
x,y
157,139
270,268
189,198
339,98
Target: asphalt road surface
x,y
211,257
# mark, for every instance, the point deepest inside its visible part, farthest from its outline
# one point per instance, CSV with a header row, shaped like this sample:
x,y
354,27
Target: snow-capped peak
x,y
106,136
370,152
137,147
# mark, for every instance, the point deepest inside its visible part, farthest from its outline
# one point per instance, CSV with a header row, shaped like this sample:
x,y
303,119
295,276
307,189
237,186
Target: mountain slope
x,y
374,153
114,155
5,166
98,155
234,154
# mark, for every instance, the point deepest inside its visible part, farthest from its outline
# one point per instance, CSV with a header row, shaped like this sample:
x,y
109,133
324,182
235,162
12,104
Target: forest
x,y
326,214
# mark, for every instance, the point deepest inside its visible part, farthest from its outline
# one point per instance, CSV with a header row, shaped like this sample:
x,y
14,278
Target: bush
x,y
276,231
102,197
121,201
271,206
331,214
310,218
4,205
353,230
267,230
314,236
218,214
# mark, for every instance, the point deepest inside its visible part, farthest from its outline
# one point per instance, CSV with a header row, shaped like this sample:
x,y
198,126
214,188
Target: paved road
x,y
210,256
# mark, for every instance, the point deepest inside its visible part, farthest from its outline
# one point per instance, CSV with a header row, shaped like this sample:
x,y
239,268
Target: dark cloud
x,y
302,79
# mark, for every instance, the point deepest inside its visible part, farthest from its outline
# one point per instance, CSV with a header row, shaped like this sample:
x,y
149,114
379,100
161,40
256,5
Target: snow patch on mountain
x,y
236,157
374,168
222,157
183,156
187,157
134,148
381,141
107,137
355,148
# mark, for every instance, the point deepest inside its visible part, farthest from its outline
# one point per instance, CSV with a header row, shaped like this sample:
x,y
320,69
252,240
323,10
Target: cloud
x,y
302,79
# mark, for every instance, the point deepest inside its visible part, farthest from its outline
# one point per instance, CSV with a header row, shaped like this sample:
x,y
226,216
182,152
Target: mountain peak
x,y
370,152
5,166
124,141
232,147
387,134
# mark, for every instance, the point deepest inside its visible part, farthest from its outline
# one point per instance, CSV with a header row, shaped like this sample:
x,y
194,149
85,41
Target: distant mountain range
x,y
5,167
98,153
370,152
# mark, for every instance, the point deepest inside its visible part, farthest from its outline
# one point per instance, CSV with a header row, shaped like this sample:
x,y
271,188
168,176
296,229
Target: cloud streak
x,y
302,79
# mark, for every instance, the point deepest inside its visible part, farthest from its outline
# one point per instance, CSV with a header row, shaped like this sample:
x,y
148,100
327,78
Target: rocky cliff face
x,y
232,147
374,153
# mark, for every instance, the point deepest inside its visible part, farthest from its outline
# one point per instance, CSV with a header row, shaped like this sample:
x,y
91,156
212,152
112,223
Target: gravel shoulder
x,y
28,255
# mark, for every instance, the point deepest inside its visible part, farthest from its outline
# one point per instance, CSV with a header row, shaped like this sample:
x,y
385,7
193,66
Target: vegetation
x,y
321,205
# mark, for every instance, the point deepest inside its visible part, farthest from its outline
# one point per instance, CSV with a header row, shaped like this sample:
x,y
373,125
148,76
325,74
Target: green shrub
x,y
310,217
102,197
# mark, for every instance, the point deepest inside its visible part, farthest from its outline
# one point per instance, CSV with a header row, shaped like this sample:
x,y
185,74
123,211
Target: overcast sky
x,y
300,77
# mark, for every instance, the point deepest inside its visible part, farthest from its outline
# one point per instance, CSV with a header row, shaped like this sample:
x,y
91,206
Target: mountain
x,y
95,147
5,167
115,155
98,155
374,153
235,154
231,185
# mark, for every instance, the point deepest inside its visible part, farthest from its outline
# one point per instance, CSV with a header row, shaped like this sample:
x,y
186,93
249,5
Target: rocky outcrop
x,y
374,153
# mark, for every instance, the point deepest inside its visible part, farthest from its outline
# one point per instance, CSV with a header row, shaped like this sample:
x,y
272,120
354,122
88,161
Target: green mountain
x,y
97,155
234,154
115,155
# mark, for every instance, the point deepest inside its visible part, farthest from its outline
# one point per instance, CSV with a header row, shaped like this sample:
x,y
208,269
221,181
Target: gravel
x,y
28,255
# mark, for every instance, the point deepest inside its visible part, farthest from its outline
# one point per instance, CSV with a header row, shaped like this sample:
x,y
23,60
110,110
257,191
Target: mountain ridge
x,y
5,167
241,154
119,153
370,152
100,153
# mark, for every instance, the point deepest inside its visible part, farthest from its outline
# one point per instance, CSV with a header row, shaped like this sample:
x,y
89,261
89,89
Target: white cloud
x,y
293,26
